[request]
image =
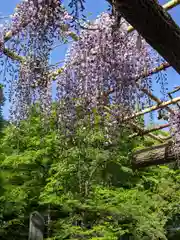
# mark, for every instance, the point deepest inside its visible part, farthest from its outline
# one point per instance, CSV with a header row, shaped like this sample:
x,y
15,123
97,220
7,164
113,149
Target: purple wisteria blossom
x,y
101,70
38,24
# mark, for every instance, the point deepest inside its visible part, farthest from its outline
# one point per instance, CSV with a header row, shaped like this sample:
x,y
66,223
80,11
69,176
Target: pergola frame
x,y
159,104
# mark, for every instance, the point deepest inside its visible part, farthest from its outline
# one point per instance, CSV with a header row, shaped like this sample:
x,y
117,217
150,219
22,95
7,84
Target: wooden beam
x,y
155,25
167,6
155,155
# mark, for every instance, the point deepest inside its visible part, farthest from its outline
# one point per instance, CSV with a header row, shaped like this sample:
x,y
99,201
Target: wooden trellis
x,y
174,61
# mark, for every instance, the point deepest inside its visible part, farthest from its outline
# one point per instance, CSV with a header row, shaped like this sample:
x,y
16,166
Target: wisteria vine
x,y
38,24
101,70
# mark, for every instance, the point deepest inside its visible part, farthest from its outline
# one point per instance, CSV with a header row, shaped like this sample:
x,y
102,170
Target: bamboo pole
x,y
171,97
149,73
153,97
153,108
147,92
11,54
14,56
167,6
145,111
171,4
150,130
140,131
161,67
157,138
166,138
175,90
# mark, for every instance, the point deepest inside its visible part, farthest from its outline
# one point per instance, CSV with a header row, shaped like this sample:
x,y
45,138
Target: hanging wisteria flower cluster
x,y
34,13
101,70
41,23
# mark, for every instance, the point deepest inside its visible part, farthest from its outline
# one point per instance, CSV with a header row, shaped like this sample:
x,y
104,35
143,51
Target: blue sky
x,y
95,7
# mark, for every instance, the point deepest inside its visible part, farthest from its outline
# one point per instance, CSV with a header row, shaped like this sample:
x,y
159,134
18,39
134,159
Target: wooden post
x,y
36,226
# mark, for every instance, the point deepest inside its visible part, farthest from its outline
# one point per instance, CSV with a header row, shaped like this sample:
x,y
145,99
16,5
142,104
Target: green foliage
x,y
87,183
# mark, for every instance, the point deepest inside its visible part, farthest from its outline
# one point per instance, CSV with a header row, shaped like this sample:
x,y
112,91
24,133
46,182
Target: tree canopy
x,y
85,185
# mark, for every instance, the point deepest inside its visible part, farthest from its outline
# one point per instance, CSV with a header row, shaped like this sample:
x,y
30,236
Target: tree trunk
x,y
155,25
155,155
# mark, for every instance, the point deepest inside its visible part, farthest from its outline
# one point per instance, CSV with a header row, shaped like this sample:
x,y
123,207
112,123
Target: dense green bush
x,y
86,183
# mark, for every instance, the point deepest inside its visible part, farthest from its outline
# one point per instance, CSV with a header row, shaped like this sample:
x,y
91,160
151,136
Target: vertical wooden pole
x,y
36,226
